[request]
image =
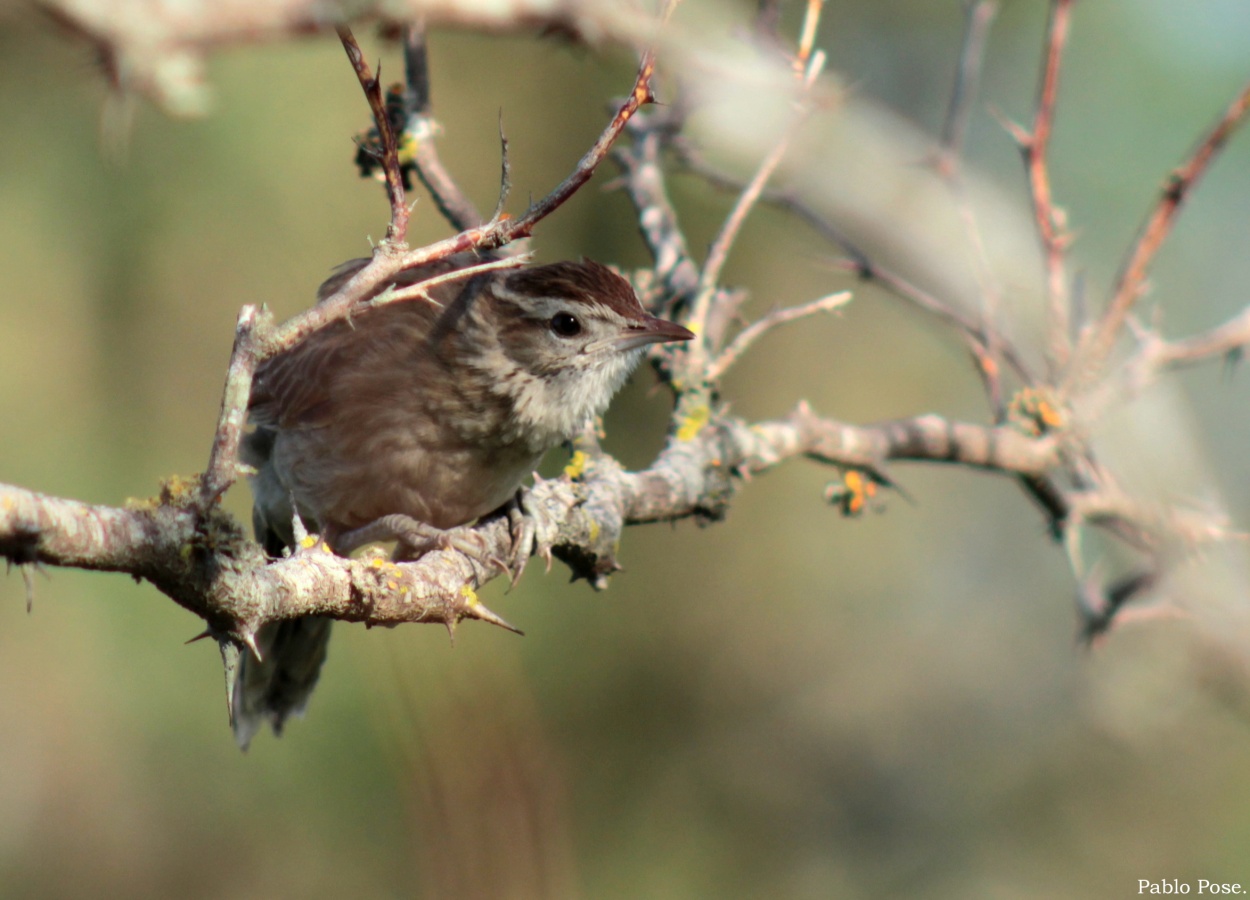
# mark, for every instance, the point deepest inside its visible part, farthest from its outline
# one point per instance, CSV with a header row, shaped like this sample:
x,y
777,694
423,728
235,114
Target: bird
x,y
424,415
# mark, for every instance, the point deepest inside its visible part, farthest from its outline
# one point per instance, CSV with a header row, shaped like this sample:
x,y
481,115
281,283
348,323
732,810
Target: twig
x,y
1050,227
510,230
1099,605
718,253
1155,355
757,329
860,264
980,14
1230,337
222,461
397,230
452,202
807,36
254,344
985,352
505,171
1132,279
422,288
643,179
987,349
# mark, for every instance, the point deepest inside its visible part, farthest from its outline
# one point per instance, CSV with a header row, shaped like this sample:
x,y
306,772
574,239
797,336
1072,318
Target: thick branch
x,y
208,566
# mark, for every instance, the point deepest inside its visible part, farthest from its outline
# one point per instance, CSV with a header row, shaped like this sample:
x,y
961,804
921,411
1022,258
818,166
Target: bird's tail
x,y
279,683
275,682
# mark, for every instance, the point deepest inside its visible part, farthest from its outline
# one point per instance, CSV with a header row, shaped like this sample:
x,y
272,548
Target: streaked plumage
x,y
434,410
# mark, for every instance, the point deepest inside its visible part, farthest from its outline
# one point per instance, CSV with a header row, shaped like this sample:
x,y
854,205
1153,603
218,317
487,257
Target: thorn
x,y
478,611
29,580
207,632
249,638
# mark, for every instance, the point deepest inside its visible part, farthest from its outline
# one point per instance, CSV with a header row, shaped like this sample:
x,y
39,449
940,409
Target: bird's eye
x,y
565,324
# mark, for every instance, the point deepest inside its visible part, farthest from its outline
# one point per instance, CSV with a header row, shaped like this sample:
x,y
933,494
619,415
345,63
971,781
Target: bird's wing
x,y
295,388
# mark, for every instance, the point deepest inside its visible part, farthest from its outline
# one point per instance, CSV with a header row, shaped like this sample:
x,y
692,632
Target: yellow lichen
x,y
693,422
577,465
1035,411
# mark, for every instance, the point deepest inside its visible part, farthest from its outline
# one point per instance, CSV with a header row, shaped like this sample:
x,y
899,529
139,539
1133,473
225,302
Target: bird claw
x,y
415,538
530,535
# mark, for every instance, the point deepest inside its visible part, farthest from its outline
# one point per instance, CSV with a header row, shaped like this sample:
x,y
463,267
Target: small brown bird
x,y
433,410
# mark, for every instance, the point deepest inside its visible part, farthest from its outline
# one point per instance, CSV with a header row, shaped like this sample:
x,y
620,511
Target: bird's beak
x,y
651,330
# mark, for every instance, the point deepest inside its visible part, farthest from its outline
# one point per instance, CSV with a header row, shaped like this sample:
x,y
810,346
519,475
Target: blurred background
x,y
786,704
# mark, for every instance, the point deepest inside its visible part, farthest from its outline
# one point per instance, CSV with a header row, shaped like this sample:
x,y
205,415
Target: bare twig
x,y
389,259
1230,337
1050,224
422,288
718,253
757,329
643,179
641,95
980,14
807,36
222,461
860,264
986,350
452,202
1154,355
397,230
505,171
1132,279
256,341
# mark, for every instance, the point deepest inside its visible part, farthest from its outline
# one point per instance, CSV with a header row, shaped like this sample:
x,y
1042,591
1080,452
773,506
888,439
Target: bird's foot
x,y
531,533
415,538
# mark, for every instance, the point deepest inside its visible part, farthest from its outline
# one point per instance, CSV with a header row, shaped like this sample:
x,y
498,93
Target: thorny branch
x,y
184,544
1132,280
397,231
1051,222
420,130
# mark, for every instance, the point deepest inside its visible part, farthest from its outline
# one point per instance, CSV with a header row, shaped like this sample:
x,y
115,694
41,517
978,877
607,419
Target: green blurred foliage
x,y
785,704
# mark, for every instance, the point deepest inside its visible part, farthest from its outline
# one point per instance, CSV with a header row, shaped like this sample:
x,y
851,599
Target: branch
x,y
222,461
1155,355
1132,280
643,179
421,129
709,339
257,341
1050,224
397,230
980,14
211,568
860,264
760,327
